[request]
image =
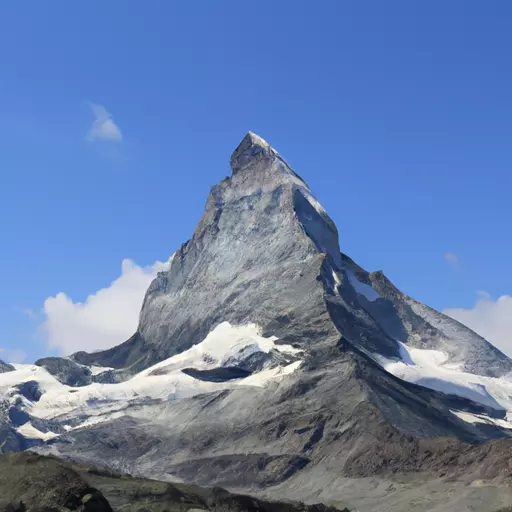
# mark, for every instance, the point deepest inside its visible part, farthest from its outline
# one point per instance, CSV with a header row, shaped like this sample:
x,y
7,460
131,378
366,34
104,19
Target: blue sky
x,y
397,114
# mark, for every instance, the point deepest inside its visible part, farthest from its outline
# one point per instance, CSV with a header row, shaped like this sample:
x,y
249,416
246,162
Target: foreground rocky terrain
x,y
33,483
268,362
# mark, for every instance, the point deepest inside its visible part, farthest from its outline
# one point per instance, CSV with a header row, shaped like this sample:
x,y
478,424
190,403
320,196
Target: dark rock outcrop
x,y
39,483
5,367
66,371
31,390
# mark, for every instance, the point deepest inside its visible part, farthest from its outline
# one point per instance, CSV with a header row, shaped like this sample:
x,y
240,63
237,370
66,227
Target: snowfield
x,y
76,407
429,368
227,346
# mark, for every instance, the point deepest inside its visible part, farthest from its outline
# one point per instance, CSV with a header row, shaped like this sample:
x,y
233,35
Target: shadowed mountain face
x,y
260,364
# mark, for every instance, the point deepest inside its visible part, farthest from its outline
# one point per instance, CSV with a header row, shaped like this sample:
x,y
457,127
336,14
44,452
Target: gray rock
x,y
9,440
30,389
434,330
42,483
6,367
66,371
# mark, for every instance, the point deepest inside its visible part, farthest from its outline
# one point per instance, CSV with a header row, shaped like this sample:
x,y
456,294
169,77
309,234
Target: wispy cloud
x,y
107,317
15,356
29,313
451,258
490,318
103,126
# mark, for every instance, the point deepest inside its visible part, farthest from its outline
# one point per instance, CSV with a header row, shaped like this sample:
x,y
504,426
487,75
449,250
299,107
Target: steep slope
x,y
422,327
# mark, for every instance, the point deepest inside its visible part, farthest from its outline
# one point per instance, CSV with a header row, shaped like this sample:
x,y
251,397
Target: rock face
x,y
267,360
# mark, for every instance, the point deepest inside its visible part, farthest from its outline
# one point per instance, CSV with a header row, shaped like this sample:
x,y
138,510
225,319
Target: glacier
x,y
70,408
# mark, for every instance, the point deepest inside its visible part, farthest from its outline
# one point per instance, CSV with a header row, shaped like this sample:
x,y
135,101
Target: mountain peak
x,y
251,150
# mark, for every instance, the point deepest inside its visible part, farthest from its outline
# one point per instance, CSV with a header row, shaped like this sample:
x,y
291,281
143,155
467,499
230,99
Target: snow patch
x,y
422,357
25,373
261,378
427,368
226,345
97,370
480,418
30,432
362,288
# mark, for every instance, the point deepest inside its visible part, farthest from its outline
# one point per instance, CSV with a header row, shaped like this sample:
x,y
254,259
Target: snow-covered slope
x,y
432,369
435,351
421,326
229,356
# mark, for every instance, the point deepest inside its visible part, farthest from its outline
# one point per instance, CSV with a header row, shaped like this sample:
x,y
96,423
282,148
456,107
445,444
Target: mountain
x,y
263,231
269,362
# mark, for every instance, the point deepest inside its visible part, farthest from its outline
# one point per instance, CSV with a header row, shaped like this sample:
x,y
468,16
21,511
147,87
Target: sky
x,y
117,117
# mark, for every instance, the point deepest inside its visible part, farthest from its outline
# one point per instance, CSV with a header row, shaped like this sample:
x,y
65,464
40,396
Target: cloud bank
x,y
103,126
106,318
490,318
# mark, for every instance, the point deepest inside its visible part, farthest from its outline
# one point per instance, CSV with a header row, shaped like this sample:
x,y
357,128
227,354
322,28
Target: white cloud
x,y
103,127
451,258
106,318
490,318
